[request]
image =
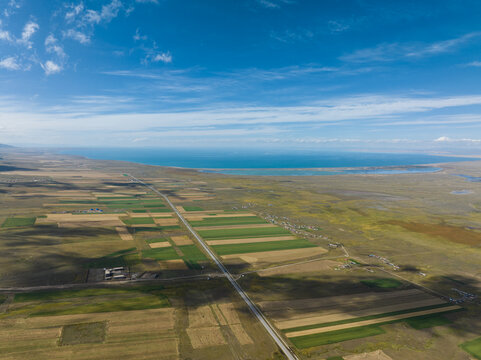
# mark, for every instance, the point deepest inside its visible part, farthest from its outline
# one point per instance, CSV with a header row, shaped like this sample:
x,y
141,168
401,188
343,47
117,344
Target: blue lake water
x,y
279,163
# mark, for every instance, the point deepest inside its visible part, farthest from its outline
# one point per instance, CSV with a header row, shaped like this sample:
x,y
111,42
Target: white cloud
x,y
394,51
76,10
442,139
111,10
51,68
163,57
463,140
77,35
52,46
9,63
147,1
29,29
138,37
5,35
474,63
274,4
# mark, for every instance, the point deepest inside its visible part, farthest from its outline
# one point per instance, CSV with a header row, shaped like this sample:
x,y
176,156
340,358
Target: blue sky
x,y
359,75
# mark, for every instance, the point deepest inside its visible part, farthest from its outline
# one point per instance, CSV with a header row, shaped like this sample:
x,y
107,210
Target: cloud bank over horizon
x,y
280,74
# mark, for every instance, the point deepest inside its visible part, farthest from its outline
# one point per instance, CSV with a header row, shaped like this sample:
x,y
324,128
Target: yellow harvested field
x,y
373,355
166,222
204,337
162,244
372,321
181,240
229,312
81,224
249,226
181,209
311,266
201,317
162,215
338,315
250,240
177,264
82,217
329,302
124,233
130,334
240,334
276,256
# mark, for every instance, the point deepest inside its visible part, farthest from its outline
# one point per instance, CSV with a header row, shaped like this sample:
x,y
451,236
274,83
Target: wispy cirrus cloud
x,y
274,4
51,67
396,51
10,63
76,35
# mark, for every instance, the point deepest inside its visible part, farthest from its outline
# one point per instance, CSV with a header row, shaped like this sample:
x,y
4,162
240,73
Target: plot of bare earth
x,y
163,215
311,266
166,222
177,264
144,334
277,255
221,227
181,240
162,244
335,301
250,240
372,322
124,233
204,337
84,220
201,317
374,355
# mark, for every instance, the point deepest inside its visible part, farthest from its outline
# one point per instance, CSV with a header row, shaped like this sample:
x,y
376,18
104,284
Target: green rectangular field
x,y
229,221
263,246
241,233
307,341
18,222
138,221
473,347
161,254
192,255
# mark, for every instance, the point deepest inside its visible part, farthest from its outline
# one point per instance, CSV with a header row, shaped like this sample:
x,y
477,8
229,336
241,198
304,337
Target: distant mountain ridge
x,y
6,146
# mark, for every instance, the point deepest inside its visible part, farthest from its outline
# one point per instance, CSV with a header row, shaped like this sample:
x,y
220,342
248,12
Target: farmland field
x,y
240,233
229,221
262,246
473,347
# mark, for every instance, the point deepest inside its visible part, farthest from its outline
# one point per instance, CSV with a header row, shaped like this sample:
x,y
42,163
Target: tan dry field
x,y
337,315
248,226
73,175
157,215
130,334
241,334
162,244
277,255
181,209
177,264
204,337
81,224
373,355
334,301
201,317
82,217
124,233
371,322
166,222
311,266
181,240
250,240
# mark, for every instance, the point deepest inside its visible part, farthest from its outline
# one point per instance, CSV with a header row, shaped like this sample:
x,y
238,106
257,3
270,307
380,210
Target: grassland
x,y
138,221
313,340
18,222
193,208
473,347
383,283
84,333
161,254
